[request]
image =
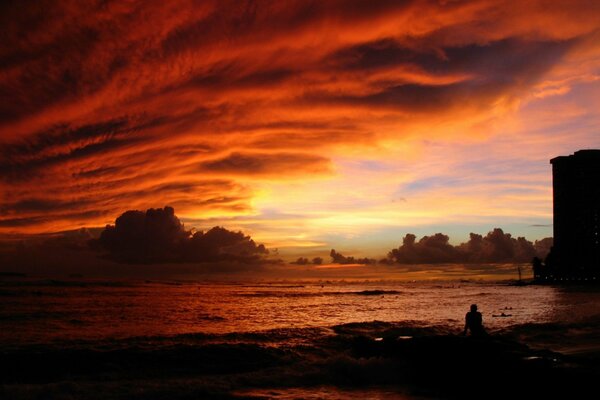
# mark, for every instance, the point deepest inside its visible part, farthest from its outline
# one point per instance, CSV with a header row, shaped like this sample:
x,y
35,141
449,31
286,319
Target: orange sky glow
x,y
306,124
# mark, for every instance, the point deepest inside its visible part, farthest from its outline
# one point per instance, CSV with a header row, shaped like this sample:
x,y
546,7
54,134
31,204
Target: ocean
x,y
269,339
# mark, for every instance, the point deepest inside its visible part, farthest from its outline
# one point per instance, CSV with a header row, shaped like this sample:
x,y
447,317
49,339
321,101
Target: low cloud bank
x,y
157,236
339,258
495,247
306,261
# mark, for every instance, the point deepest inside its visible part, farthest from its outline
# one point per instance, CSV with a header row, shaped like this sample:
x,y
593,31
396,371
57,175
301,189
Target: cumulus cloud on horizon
x,y
495,247
157,236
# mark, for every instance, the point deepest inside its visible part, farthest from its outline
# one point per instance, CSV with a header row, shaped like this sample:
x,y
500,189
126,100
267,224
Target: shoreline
x,y
354,358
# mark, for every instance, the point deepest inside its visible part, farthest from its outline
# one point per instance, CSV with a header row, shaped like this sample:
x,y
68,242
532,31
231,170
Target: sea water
x,y
284,340
42,311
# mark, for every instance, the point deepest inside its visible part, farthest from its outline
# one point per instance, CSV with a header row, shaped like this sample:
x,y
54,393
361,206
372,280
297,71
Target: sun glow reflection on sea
x,y
45,311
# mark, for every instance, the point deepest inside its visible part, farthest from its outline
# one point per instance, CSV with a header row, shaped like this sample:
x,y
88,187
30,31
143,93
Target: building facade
x,y
576,191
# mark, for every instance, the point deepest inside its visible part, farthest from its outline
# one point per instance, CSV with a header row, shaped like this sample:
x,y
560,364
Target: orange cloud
x,y
277,164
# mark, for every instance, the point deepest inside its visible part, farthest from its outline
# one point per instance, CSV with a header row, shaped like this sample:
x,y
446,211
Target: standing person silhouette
x,y
474,322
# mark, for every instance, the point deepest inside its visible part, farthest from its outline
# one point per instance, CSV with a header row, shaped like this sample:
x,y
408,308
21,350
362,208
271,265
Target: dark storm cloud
x,y
22,222
495,247
504,59
61,135
35,211
307,140
258,164
23,171
28,205
512,59
421,98
260,20
488,70
96,172
214,194
61,52
35,221
157,236
381,54
233,77
60,144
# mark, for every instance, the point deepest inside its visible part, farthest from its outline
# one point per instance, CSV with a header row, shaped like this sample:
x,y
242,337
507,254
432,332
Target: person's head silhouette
x,y
473,307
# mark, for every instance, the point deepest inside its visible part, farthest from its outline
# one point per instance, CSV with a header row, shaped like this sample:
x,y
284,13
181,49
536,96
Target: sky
x,y
308,125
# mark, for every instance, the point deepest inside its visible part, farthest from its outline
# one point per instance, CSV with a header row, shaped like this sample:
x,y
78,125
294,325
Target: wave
x,y
568,338
210,317
274,293
272,285
407,356
281,294
381,329
376,292
68,283
34,315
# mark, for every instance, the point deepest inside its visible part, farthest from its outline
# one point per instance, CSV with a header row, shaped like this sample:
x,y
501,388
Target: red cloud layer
x,y
107,106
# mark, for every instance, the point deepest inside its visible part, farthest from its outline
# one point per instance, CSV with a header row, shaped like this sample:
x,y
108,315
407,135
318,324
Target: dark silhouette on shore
x,y
575,254
538,266
474,322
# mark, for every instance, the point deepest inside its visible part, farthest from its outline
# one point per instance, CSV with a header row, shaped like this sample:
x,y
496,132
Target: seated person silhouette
x,y
474,322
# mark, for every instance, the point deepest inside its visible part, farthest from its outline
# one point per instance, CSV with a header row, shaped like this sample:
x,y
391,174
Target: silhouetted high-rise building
x,y
576,185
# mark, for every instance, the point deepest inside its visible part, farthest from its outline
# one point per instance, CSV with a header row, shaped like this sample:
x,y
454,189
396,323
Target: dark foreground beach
x,y
56,351
355,360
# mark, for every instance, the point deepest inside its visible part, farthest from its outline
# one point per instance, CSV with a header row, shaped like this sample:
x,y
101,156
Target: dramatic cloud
x,y
157,236
430,249
258,164
328,111
495,247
